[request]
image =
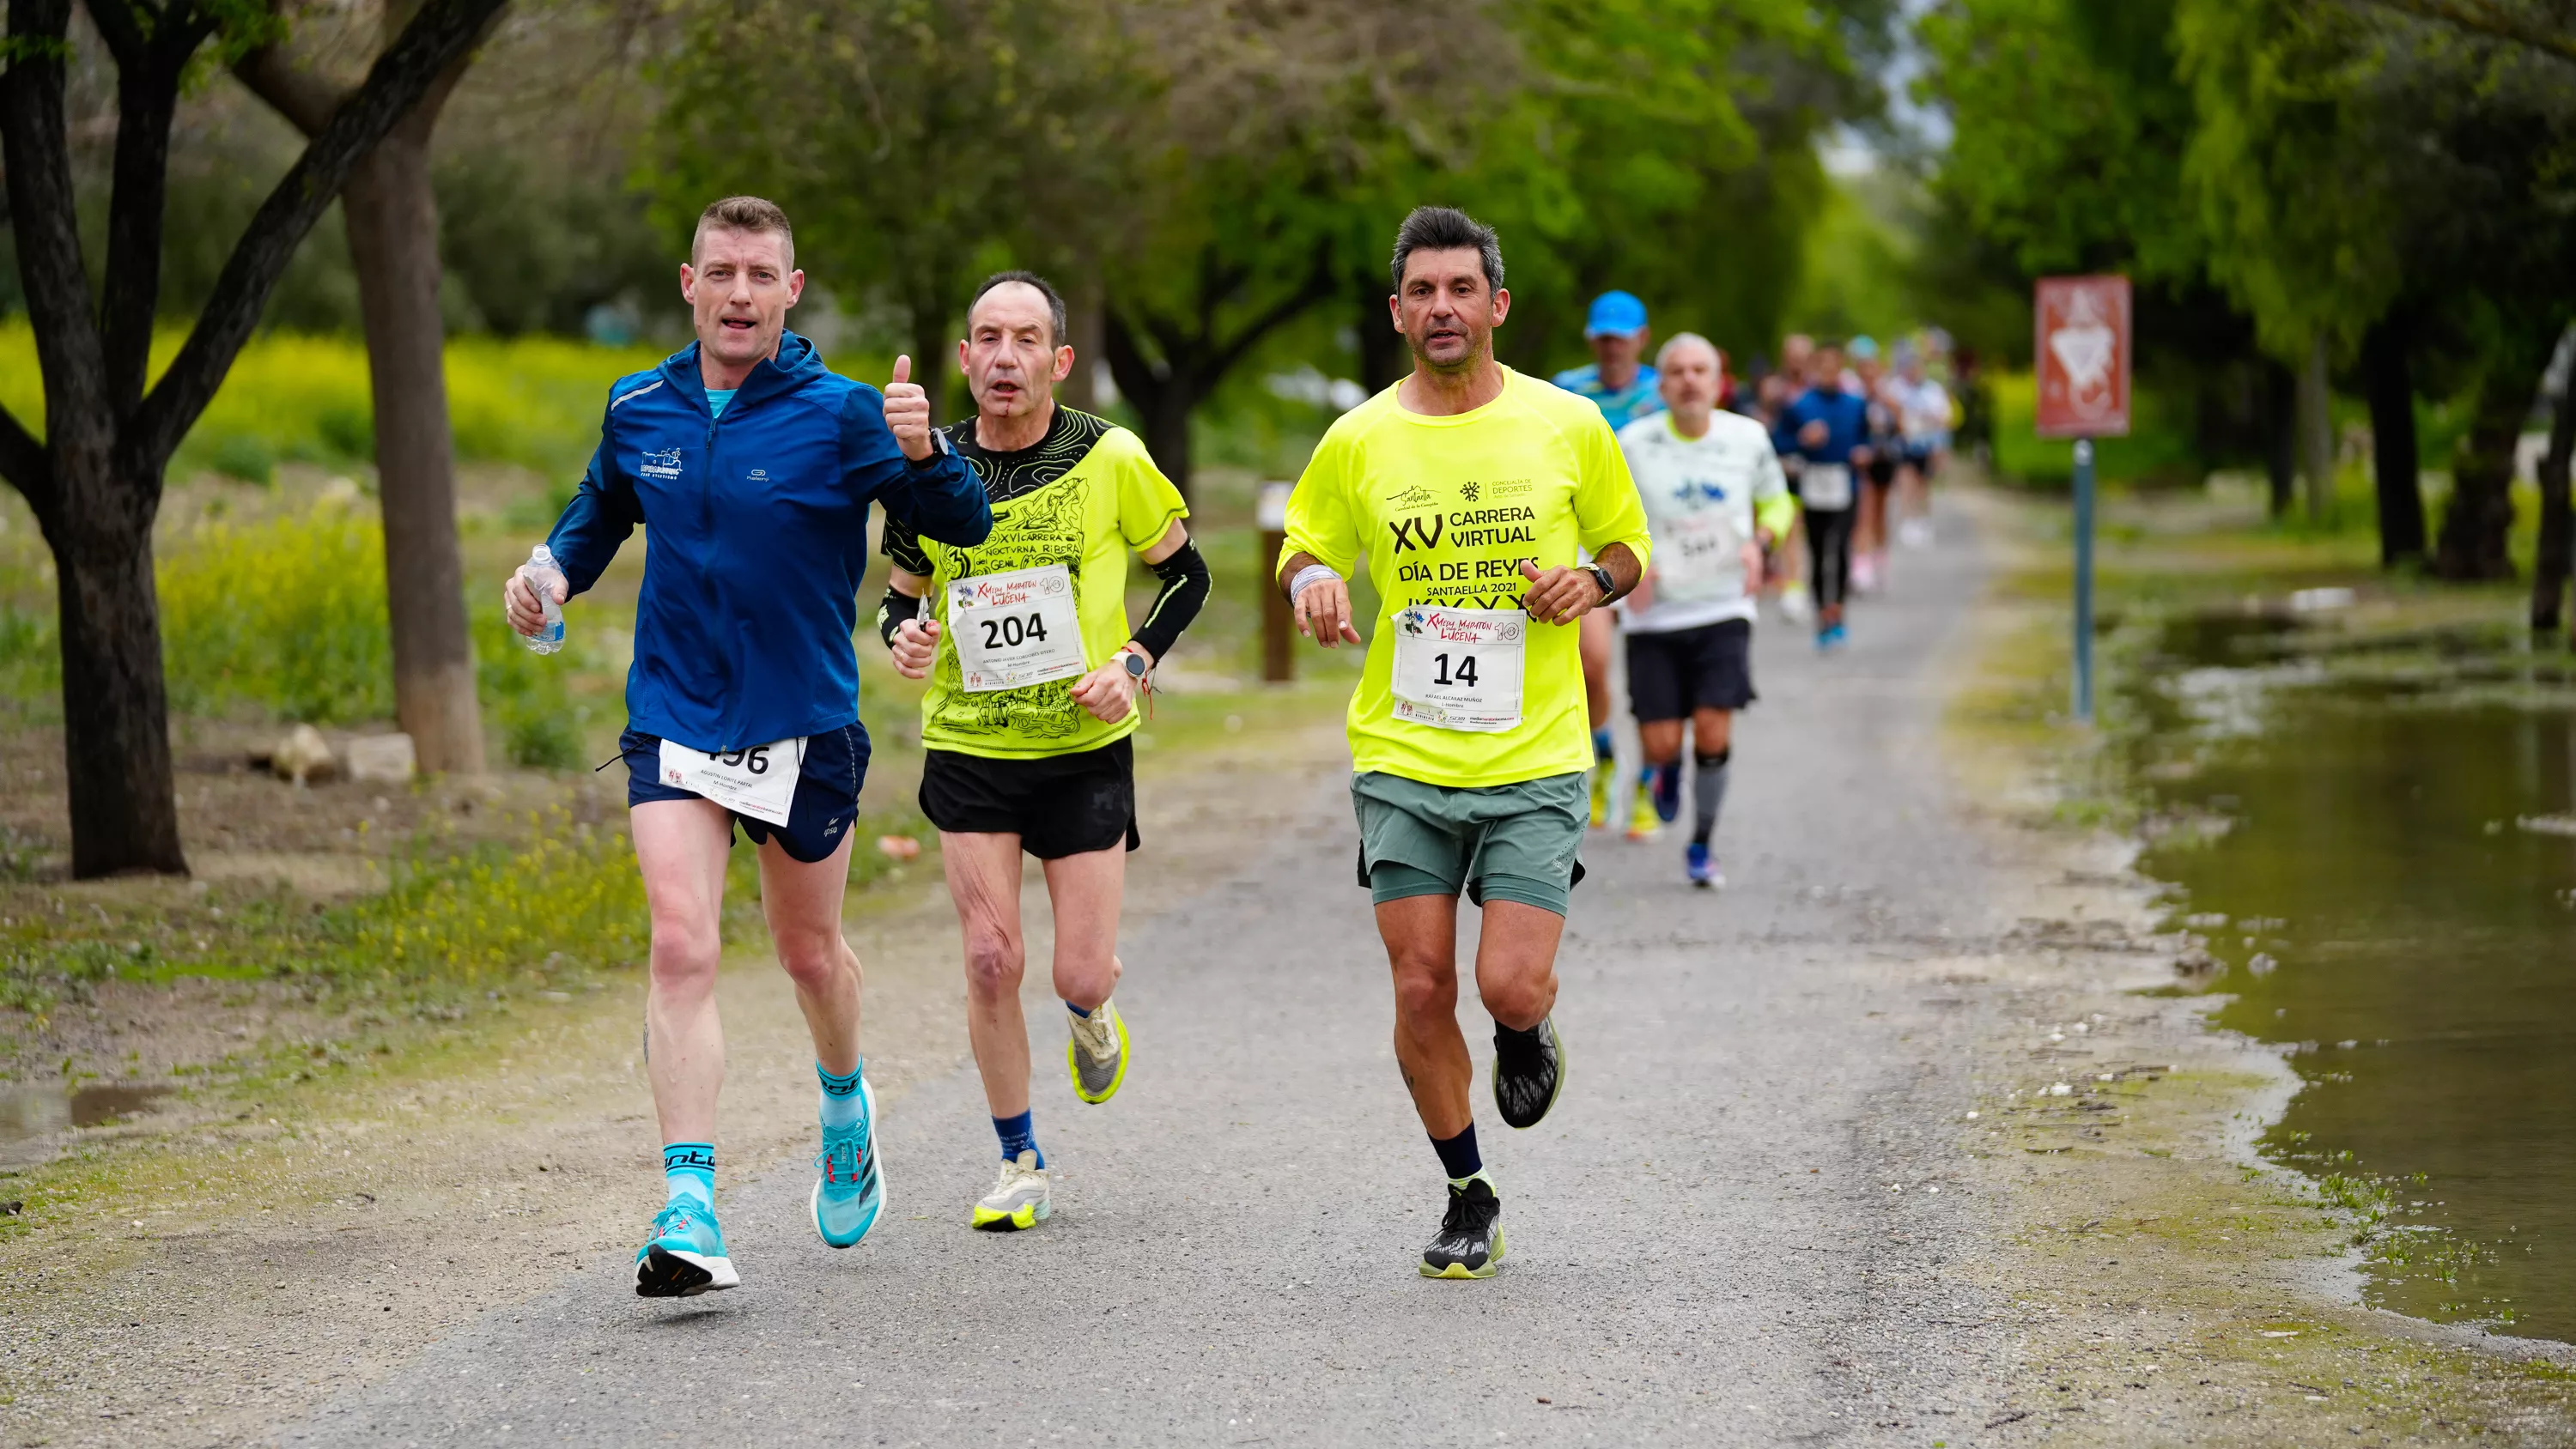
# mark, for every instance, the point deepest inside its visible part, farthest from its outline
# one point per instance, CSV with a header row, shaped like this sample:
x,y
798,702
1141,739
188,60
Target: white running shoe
x,y
1795,605
1018,1199
1915,533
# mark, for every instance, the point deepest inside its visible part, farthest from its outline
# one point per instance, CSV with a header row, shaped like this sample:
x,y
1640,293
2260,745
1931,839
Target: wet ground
x,y
2374,830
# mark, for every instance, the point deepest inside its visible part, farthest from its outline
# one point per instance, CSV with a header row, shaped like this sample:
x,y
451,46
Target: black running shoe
x,y
1529,1070
1471,1241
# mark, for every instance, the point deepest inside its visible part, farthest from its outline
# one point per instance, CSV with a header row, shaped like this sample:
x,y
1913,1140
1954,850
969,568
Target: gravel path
x,y
1732,1230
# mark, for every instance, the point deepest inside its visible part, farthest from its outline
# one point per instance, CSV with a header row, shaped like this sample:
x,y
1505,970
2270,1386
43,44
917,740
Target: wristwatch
x,y
1601,576
1136,665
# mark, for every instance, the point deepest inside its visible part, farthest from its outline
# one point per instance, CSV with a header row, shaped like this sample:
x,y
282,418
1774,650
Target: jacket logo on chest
x,y
661,463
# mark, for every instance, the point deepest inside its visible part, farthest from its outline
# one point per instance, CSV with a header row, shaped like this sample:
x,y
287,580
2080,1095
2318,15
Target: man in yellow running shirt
x,y
1470,488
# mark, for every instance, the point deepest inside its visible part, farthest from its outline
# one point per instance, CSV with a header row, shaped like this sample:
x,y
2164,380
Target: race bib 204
x,y
1015,629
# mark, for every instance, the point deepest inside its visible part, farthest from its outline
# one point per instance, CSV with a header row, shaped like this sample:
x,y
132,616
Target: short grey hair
x,y
1664,353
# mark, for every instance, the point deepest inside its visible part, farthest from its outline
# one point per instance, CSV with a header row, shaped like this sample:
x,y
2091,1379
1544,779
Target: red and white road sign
x,y
2082,347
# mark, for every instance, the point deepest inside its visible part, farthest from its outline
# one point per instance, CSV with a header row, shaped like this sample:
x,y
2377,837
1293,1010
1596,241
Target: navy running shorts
x,y
1674,673
820,814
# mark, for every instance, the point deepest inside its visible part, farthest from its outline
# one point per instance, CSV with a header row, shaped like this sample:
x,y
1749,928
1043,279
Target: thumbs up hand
x,y
907,412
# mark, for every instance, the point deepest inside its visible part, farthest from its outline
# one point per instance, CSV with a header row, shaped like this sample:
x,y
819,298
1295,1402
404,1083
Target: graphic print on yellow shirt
x,y
1081,499
1446,509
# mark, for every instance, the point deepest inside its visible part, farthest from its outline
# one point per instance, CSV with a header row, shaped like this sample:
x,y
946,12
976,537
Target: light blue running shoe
x,y
687,1254
849,1193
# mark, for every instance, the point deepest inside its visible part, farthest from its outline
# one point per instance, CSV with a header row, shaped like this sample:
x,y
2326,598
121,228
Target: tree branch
x,y
148,72
36,155
2493,19
1318,285
443,32
24,464
306,98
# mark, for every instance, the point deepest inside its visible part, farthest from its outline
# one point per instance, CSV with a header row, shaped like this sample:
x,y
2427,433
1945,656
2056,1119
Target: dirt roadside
x,y
221,1270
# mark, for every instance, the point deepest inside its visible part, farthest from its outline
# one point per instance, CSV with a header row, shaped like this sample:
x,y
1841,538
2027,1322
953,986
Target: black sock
x,y
1708,793
1458,1156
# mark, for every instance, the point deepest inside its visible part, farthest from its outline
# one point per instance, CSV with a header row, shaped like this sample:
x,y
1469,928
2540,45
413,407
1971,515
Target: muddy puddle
x,y
29,1115
2375,834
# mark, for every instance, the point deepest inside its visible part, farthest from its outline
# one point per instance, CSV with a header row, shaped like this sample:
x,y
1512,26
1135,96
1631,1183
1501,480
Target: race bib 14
x,y
1459,669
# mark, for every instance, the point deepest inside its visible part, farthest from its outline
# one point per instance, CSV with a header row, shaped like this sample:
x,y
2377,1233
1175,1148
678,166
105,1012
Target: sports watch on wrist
x,y
1136,665
1601,576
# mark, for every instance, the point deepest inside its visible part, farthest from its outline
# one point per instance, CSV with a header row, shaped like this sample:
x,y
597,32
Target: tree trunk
x,y
393,239
2316,433
1384,357
2280,434
2389,380
2549,571
2478,520
934,357
1082,334
1166,415
116,707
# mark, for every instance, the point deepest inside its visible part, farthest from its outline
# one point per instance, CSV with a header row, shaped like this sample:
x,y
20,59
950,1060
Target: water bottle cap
x,y
541,554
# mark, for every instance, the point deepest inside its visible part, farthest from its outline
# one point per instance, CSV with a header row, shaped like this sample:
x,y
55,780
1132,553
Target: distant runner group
x,y
1511,529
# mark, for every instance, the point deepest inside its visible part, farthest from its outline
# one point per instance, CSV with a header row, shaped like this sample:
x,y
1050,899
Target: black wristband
x,y
898,606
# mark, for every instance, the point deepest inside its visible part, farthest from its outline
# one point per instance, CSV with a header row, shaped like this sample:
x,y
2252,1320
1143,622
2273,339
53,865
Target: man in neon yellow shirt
x,y
1470,487
1033,677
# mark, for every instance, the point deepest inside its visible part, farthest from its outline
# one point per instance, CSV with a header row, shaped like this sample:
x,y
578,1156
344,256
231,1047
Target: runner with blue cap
x,y
1622,385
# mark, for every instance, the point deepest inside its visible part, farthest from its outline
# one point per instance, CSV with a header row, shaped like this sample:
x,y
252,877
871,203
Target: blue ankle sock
x,y
842,1104
1601,744
690,1170
1458,1155
1017,1136
1083,1012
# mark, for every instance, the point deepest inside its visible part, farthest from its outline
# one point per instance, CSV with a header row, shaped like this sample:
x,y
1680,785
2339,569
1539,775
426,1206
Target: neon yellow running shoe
x,y
1097,1055
1644,820
1601,794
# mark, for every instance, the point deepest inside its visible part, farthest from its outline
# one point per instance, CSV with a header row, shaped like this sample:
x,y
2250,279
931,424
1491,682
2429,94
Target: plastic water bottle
x,y
542,566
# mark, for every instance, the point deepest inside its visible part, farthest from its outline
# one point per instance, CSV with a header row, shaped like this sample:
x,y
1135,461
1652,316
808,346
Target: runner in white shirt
x,y
1715,500
1923,424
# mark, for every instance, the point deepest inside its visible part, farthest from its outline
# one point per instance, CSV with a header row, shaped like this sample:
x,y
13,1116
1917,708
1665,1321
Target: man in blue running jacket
x,y
753,465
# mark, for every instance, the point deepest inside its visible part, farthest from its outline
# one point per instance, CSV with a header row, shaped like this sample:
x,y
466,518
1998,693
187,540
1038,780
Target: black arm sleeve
x,y
898,606
1185,589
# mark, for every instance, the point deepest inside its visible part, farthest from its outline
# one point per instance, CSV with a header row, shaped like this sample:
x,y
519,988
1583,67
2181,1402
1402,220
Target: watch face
x,y
1136,666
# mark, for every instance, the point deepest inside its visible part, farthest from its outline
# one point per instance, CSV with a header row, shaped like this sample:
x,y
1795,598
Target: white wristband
x,y
1309,575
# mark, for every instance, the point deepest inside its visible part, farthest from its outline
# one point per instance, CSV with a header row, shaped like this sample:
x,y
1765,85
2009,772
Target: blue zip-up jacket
x,y
759,539
1846,420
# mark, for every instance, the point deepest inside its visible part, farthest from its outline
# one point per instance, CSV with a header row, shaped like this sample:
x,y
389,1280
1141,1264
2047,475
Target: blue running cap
x,y
1615,314
1863,348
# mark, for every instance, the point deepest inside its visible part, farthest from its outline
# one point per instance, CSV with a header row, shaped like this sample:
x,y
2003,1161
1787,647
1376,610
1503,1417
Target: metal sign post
x,y
2084,581
2081,352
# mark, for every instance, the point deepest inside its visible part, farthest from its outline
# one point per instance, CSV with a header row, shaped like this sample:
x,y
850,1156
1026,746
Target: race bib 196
x,y
1015,629
759,782
1825,485
1459,669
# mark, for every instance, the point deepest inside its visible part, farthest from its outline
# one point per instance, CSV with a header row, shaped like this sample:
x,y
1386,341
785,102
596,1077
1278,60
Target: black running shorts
x,y
1672,674
1058,805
